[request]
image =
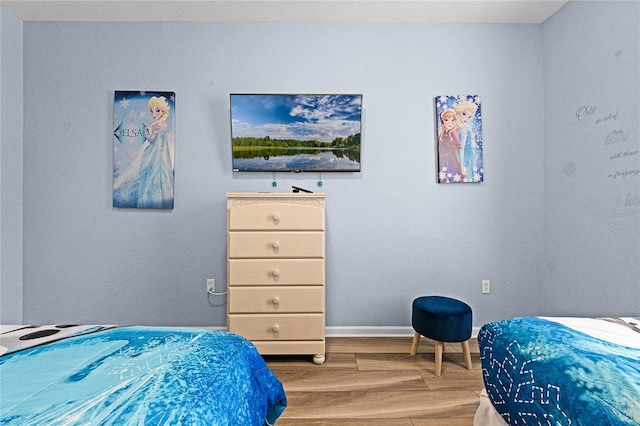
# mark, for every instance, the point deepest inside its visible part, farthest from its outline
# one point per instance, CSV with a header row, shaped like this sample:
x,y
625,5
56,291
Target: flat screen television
x,y
296,133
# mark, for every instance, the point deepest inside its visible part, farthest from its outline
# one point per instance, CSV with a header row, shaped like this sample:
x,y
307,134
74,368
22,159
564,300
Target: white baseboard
x,y
382,331
368,331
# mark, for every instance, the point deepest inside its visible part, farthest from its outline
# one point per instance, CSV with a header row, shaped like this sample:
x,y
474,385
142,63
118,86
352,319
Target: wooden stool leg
x,y
414,344
439,347
467,354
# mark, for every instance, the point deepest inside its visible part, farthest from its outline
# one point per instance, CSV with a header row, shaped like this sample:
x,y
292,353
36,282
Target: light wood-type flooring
x,y
375,382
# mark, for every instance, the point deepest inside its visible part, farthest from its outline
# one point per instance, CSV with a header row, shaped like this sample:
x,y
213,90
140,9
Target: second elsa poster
x,y
459,139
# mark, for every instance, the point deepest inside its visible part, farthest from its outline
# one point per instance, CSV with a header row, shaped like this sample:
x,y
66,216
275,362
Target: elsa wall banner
x,y
459,139
143,149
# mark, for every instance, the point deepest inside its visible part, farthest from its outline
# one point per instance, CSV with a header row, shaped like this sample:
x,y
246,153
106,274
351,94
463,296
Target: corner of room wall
x,y
11,168
591,161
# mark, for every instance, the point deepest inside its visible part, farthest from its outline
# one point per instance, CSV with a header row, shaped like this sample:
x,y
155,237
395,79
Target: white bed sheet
x,y
17,337
605,328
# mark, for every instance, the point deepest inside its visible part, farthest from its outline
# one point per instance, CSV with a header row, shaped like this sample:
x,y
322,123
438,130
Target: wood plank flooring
x,y
374,381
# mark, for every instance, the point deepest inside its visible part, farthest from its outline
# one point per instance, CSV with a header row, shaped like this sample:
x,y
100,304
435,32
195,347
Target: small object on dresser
x,y
297,189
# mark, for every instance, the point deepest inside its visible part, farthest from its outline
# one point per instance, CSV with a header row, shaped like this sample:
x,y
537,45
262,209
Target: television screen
x,y
296,133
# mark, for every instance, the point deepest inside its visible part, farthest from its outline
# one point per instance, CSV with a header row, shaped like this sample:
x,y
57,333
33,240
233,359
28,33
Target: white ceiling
x,y
391,11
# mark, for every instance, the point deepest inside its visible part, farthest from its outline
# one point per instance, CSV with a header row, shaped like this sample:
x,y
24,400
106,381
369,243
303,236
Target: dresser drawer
x,y
287,214
276,299
278,327
275,347
275,244
275,271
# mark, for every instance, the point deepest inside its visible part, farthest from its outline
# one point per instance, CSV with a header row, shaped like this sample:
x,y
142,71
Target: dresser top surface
x,y
275,195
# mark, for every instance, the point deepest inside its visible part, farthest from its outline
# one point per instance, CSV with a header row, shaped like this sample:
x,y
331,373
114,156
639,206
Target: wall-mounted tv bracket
x,y
297,189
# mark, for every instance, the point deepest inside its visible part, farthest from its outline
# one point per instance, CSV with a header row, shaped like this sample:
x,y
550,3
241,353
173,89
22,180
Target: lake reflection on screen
x,y
313,160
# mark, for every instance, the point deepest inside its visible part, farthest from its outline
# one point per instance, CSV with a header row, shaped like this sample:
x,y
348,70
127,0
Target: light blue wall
x,y
393,233
591,159
10,168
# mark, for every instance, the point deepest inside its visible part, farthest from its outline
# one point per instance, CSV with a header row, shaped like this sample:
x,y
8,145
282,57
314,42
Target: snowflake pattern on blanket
x,y
539,372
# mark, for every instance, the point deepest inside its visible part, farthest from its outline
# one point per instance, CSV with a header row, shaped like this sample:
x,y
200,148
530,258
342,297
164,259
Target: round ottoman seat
x,y
442,319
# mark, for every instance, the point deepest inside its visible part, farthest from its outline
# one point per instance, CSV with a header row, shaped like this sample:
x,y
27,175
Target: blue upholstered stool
x,y
442,319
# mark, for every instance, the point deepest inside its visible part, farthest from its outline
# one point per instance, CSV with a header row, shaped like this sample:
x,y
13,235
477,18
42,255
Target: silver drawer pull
x,y
276,328
276,300
275,244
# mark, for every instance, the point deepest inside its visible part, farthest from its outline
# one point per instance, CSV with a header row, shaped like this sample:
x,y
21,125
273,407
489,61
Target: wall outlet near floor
x,y
486,286
211,285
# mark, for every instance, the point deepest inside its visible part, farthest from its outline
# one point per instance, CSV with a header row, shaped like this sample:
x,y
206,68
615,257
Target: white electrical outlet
x,y
211,285
486,286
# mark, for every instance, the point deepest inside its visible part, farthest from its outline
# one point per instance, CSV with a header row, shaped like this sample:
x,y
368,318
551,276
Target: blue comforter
x,y
140,376
539,372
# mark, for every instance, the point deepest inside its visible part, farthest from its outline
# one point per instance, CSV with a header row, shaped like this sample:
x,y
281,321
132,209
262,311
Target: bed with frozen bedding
x,y
101,375
560,371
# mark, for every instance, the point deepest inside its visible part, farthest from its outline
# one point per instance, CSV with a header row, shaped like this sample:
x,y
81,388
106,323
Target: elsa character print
x,y
148,180
465,111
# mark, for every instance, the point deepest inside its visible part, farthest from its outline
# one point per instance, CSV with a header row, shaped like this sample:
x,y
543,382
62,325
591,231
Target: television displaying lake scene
x,y
296,133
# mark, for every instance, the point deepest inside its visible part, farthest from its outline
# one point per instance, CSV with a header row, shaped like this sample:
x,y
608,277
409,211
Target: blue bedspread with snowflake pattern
x,y
539,372
140,376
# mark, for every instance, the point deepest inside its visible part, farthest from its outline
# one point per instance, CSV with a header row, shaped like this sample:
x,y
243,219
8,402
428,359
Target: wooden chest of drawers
x,y
276,271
